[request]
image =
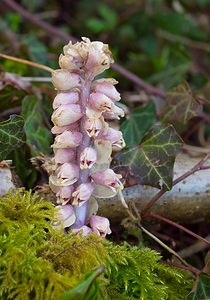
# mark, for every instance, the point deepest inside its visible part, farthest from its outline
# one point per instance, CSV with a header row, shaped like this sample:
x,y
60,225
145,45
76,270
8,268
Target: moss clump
x,y
39,263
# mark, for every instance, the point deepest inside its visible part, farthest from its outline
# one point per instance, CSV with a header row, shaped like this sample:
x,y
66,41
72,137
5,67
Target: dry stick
x,y
168,248
26,62
66,37
194,248
166,220
199,166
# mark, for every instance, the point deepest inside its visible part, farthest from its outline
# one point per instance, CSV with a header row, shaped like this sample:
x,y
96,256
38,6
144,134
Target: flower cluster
x,y
84,140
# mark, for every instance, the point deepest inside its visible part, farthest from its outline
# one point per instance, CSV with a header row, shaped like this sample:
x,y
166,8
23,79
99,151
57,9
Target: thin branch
x,y
36,79
165,246
188,268
10,111
26,62
166,220
66,37
184,40
194,248
199,166
37,21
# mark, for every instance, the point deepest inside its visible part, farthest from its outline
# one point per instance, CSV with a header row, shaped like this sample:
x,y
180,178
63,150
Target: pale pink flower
x,y
100,102
100,225
116,113
63,80
105,86
87,158
64,193
67,114
84,229
99,57
69,62
68,172
114,136
93,126
82,193
65,98
108,178
61,129
68,139
65,216
64,155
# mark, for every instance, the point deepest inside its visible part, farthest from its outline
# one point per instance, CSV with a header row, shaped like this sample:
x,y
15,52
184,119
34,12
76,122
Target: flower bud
x,y
61,129
68,62
108,178
65,98
105,86
64,193
99,57
87,158
64,80
66,114
64,155
84,229
100,225
114,136
65,215
116,113
68,139
93,126
68,173
100,102
82,193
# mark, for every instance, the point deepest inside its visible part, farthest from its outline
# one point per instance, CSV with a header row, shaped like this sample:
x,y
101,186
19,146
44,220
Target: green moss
x,y
39,263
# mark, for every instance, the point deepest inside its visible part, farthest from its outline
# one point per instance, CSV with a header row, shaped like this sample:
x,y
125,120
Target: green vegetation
x,y
38,262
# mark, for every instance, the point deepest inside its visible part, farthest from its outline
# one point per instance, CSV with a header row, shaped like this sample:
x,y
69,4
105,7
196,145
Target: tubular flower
x,y
100,225
84,141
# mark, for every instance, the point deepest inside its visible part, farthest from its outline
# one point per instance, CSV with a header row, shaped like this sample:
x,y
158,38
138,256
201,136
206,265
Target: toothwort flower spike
x,y
84,141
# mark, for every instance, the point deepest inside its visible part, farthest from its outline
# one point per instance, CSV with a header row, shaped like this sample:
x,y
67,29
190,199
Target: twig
x,y
165,247
66,37
37,21
26,62
166,220
193,249
188,268
199,166
184,40
10,111
36,79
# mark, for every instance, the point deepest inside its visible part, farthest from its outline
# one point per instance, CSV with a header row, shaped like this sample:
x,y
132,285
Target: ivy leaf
x,y
181,104
87,289
151,163
38,135
138,124
12,135
202,290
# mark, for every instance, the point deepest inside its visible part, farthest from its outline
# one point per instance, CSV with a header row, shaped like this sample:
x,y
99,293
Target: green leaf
x,y
151,163
11,135
138,124
38,136
87,289
202,289
180,104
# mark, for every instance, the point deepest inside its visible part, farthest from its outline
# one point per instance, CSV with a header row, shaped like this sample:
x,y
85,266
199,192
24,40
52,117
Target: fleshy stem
x,y
81,212
199,166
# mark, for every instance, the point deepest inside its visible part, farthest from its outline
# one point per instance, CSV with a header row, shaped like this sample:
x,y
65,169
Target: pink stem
x,y
81,211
